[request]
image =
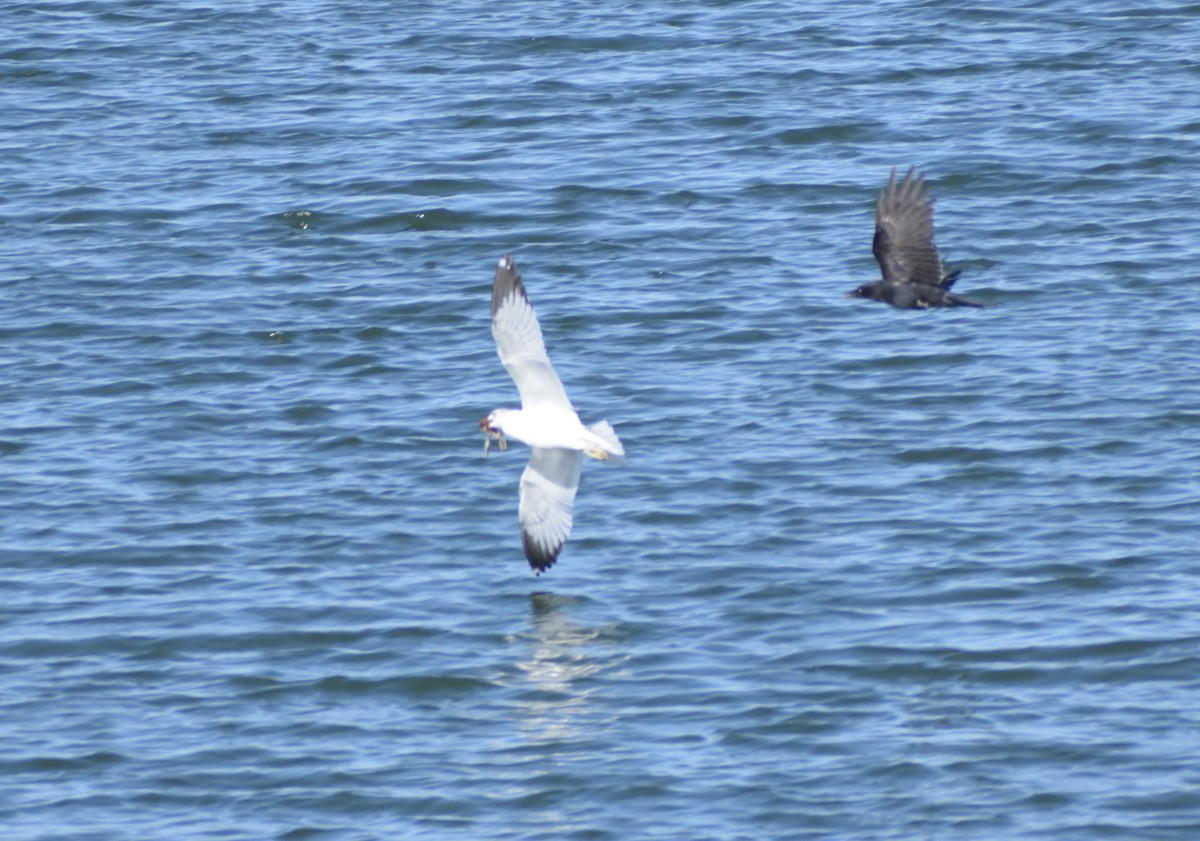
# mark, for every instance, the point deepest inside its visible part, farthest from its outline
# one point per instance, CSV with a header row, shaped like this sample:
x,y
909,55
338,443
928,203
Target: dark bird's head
x,y
872,291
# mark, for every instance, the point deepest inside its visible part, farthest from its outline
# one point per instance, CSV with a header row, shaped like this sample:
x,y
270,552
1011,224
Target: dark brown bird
x,y
913,274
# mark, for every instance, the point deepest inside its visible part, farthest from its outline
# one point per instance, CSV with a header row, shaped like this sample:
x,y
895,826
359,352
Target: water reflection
x,y
558,663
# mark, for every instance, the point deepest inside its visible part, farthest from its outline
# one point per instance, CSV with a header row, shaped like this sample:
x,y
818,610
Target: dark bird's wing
x,y
904,233
548,488
519,340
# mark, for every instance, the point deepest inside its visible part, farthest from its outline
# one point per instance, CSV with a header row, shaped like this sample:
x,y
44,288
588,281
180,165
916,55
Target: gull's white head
x,y
495,421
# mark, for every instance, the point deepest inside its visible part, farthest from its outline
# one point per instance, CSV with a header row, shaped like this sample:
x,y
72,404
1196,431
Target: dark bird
x,y
913,274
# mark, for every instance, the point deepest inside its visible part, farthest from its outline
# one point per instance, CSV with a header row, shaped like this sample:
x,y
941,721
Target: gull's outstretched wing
x,y
519,340
548,488
904,233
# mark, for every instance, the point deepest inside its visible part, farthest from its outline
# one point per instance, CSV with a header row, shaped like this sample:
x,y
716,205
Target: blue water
x,y
870,574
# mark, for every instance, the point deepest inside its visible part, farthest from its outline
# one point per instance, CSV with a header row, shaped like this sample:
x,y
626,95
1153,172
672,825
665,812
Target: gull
x,y
546,421
913,274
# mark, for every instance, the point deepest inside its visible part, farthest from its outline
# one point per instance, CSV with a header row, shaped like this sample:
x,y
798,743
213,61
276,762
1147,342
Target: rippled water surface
x,y
870,574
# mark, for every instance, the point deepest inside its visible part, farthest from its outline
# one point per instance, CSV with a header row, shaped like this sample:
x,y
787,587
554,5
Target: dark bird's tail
x,y
960,301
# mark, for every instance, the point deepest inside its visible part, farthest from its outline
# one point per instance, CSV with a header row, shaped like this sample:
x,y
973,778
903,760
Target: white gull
x,y
546,421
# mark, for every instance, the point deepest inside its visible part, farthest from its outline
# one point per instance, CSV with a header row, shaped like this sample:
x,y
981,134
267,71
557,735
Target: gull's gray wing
x,y
904,232
548,488
519,340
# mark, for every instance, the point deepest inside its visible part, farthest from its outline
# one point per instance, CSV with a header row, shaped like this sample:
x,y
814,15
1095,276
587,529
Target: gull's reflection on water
x,y
558,663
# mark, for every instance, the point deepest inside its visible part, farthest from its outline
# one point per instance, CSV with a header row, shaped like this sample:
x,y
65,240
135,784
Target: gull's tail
x,y
609,443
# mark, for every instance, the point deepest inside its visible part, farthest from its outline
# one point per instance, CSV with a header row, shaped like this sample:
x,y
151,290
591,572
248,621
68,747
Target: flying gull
x,y
546,421
913,274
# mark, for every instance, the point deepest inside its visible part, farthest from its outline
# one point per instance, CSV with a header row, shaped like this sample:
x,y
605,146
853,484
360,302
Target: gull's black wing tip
x,y
508,280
